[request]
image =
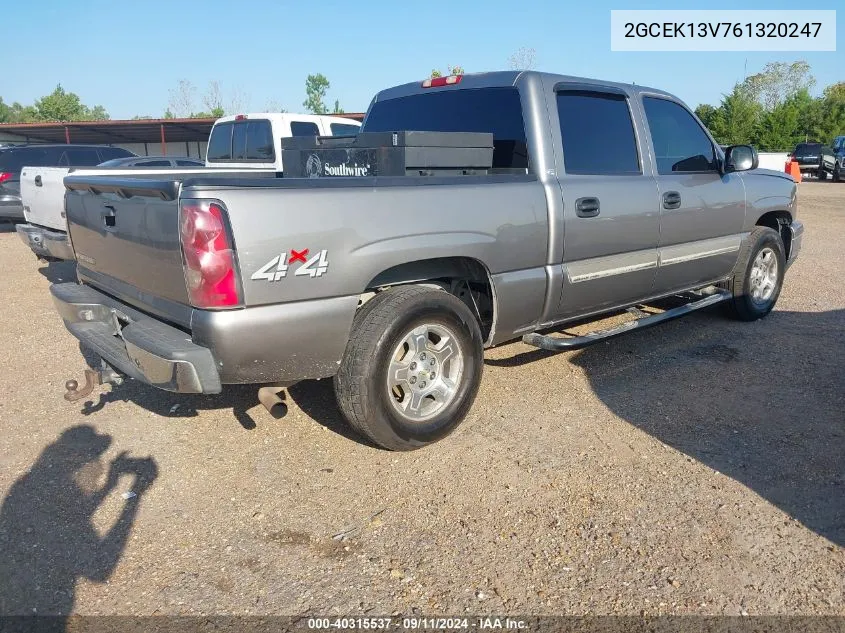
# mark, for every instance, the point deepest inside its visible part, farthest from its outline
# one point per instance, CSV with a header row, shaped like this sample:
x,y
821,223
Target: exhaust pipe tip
x,y
271,400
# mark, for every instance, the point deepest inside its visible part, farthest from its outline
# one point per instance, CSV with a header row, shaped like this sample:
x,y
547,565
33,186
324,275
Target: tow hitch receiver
x,y
93,378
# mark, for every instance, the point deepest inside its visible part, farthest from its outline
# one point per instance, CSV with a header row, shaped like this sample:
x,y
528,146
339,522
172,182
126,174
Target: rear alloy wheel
x,y
425,370
412,367
758,275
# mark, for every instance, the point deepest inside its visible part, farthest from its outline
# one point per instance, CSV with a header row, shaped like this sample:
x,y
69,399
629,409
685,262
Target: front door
x,y
702,211
611,217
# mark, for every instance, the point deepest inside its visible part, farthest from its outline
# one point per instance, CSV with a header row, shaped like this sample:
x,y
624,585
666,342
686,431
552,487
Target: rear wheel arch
x,y
467,278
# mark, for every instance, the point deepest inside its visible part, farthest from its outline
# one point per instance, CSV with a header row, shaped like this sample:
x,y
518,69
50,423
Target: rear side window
x,y
343,129
597,133
680,144
190,163
494,110
15,160
220,143
109,153
304,128
82,157
153,163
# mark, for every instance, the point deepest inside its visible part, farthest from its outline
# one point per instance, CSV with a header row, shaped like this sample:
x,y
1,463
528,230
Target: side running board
x,y
569,343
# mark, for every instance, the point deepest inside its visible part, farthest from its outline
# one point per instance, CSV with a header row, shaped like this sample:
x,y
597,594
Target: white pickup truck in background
x,y
237,144
256,139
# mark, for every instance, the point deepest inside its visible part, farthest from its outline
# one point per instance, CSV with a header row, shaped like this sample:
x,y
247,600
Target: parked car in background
x,y
394,285
154,161
814,159
839,156
43,195
254,140
15,158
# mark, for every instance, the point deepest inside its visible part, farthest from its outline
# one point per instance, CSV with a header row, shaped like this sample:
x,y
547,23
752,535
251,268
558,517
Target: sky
x,y
127,56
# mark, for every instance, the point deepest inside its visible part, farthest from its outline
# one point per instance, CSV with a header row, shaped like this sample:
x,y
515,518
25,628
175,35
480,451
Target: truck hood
x,y
768,172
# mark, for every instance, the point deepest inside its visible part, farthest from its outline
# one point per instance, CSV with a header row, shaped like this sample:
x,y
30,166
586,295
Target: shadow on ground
x,y
765,406
47,537
314,397
58,272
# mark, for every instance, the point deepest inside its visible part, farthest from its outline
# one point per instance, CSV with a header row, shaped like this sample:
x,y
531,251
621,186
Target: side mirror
x,y
741,158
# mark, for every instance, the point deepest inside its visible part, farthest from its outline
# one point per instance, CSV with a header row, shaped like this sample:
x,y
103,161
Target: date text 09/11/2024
x,y
416,623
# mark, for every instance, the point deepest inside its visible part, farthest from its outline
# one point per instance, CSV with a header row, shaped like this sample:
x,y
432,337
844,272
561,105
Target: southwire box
x,y
388,154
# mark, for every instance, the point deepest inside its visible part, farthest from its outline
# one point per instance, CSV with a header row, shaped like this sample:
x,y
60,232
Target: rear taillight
x,y
208,255
437,82
4,176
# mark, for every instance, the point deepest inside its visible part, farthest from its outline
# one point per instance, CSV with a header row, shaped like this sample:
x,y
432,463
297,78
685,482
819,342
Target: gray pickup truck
x,y
601,197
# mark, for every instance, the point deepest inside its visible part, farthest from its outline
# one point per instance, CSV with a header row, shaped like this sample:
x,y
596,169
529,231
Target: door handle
x,y
38,181
587,207
671,200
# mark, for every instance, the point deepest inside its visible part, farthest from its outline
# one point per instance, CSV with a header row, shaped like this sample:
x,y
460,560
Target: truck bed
x,y
352,220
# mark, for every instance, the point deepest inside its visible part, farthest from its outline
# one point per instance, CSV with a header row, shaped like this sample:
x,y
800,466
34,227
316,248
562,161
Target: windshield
x,y
494,110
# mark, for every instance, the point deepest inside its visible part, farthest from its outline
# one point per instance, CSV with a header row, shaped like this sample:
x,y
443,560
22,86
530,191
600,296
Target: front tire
x,y
822,174
836,173
412,368
758,275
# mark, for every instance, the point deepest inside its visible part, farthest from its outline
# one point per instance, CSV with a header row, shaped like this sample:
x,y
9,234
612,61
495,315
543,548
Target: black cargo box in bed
x,y
406,153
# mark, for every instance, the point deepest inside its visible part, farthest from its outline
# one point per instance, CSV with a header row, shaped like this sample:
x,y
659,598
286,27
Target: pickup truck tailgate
x,y
42,196
125,232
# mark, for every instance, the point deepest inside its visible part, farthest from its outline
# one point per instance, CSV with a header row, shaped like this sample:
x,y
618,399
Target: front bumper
x,y
135,344
46,242
797,230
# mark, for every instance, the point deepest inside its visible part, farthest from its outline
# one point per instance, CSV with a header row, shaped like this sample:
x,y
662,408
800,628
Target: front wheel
x,y
822,174
758,275
836,173
412,367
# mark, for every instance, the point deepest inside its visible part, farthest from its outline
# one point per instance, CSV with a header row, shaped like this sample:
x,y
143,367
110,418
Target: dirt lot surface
x,y
696,467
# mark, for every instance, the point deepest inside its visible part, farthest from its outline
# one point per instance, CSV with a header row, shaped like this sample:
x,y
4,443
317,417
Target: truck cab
x,y
254,140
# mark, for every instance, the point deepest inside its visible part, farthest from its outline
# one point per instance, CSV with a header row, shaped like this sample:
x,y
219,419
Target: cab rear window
x,y
242,141
494,110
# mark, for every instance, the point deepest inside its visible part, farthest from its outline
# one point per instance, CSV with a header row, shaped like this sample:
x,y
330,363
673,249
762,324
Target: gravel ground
x,y
694,468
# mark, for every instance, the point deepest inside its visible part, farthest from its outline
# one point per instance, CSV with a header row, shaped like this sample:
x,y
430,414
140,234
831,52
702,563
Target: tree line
x,y
184,100
774,111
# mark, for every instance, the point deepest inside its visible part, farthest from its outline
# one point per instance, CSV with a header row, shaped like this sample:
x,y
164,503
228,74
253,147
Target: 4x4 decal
x,y
277,268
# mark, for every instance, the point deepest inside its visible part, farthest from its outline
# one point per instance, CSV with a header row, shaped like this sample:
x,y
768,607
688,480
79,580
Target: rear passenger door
x,y
702,211
609,202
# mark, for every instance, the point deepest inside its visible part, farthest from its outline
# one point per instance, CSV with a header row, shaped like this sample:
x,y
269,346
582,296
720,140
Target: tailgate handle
x,y
109,218
38,180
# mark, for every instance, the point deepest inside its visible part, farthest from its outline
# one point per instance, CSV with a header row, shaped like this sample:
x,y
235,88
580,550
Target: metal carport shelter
x,y
142,136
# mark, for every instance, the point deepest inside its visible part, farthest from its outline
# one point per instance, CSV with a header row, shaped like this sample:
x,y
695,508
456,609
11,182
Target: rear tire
x,y
758,275
412,368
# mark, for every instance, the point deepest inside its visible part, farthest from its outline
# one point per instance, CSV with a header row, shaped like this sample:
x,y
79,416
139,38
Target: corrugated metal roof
x,y
132,131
